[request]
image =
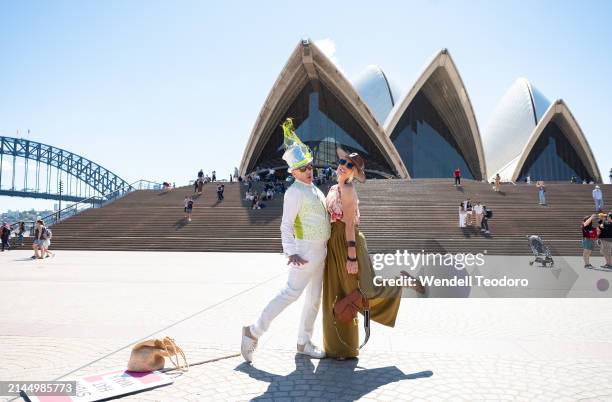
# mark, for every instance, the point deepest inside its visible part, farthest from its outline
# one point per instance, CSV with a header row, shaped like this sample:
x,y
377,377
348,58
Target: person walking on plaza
x,y
20,232
348,266
5,234
41,234
305,230
214,175
188,207
589,235
201,174
46,244
605,238
610,175
541,191
457,174
598,198
497,182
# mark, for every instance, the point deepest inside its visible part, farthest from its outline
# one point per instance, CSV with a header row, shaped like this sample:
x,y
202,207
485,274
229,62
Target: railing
x,y
90,202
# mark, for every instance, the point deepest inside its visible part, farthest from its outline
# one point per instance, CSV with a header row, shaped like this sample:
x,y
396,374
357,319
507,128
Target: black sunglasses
x,y
348,164
304,168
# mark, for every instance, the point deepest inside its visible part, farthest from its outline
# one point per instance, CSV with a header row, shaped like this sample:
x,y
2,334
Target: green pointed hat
x,y
297,154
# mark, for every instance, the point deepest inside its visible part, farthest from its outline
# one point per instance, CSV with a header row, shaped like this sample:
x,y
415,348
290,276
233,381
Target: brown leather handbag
x,y
346,311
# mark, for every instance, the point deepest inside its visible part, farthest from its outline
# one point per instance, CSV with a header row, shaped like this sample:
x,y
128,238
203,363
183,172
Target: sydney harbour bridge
x,y
35,170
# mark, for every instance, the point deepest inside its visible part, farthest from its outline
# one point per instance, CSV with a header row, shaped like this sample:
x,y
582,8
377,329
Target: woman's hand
x,y
352,267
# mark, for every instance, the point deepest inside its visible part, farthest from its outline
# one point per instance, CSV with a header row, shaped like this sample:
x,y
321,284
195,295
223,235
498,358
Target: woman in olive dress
x,y
348,264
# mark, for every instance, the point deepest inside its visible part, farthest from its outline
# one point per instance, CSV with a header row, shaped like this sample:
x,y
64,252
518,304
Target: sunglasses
x,y
305,168
349,165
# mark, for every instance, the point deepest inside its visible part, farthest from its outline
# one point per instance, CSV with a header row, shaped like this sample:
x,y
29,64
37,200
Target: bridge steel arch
x,y
83,177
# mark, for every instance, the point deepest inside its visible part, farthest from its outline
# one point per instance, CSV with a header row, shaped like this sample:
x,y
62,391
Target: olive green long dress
x,y
337,283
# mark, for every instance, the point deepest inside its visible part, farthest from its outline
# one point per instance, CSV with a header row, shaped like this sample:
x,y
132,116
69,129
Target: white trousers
x,y
307,277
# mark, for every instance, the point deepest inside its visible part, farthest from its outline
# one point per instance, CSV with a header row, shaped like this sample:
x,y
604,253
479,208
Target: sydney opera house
x,y
425,132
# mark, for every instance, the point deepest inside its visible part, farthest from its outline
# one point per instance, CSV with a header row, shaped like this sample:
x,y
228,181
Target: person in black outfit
x,y
5,234
605,237
484,224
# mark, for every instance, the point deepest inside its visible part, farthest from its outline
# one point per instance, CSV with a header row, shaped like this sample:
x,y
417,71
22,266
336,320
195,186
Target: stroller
x,y
540,251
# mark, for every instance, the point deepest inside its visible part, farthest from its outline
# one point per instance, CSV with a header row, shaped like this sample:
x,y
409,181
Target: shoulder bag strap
x,y
366,323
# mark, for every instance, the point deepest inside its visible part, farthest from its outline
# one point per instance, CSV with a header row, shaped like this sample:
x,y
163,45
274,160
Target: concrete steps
x,y
395,214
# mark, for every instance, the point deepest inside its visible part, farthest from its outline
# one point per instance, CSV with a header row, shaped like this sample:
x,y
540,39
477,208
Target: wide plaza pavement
x,y
80,312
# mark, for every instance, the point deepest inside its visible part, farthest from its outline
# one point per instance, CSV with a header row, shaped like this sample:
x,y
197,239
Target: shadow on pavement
x,y
332,379
26,259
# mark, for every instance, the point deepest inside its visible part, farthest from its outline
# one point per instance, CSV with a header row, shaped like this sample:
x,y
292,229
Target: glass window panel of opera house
x,y
323,123
553,158
426,144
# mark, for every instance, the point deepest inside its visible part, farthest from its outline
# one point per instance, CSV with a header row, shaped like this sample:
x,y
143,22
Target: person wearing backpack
x,y
39,240
47,234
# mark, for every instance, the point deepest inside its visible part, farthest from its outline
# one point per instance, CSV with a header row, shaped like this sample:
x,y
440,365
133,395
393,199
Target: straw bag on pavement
x,y
150,355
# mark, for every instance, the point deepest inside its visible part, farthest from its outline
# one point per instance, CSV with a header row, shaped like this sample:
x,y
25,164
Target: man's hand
x,y
296,259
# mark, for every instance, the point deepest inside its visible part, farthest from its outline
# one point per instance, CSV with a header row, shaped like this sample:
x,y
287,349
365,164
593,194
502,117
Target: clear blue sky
x,y
160,89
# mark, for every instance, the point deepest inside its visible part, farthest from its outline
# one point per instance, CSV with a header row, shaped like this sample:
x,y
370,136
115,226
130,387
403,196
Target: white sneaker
x,y
248,346
311,350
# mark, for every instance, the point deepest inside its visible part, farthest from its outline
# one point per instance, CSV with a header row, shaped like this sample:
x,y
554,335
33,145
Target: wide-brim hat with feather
x,y
297,154
356,160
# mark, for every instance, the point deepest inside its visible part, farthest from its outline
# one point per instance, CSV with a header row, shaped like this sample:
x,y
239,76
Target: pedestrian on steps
x,y
462,214
188,207
541,191
497,182
484,223
598,198
457,175
220,189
